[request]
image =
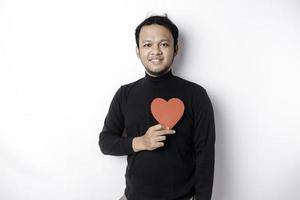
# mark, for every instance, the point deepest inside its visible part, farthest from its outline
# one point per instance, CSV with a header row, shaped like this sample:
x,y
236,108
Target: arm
x,y
111,141
204,146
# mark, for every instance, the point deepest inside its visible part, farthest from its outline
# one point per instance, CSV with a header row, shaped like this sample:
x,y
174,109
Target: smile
x,y
156,61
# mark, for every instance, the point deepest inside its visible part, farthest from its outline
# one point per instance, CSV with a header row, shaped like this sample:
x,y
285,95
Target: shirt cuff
x,y
128,145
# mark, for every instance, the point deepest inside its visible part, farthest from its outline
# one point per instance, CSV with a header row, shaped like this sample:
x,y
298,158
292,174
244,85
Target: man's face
x,y
156,49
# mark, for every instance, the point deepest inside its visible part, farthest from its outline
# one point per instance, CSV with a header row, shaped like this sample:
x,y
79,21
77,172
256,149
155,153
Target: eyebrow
x,y
163,40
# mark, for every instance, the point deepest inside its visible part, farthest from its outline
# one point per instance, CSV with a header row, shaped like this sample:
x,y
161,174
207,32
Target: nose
x,y
156,50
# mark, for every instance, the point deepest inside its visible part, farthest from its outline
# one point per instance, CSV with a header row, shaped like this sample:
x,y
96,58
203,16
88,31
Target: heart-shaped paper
x,y
167,113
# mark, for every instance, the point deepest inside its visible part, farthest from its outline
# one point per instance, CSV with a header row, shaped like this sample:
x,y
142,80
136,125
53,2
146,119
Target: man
x,y
161,164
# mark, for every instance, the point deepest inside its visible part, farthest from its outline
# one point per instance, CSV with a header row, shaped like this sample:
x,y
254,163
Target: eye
x,y
147,45
165,44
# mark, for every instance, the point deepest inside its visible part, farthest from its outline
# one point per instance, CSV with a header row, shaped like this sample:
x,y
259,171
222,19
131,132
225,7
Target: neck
x,y
166,76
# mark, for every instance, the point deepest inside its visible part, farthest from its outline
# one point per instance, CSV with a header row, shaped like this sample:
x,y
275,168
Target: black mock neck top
x,y
184,166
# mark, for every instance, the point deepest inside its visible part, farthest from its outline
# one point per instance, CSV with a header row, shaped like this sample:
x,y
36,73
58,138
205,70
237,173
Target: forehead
x,y
155,32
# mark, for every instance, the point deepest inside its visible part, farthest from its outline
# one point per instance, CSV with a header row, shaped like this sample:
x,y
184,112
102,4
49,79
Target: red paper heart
x,y
167,113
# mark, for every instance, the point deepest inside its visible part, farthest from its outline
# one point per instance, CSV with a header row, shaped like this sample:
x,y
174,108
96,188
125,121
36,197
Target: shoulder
x,y
129,85
126,88
199,95
193,87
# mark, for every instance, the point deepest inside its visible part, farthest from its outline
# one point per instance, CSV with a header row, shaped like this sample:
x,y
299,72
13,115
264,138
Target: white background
x,y
61,61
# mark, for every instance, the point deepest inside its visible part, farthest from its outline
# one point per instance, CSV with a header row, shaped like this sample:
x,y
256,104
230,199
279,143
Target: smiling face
x,y
156,49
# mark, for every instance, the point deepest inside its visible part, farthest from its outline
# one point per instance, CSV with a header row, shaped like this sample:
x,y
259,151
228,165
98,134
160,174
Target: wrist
x,y
137,144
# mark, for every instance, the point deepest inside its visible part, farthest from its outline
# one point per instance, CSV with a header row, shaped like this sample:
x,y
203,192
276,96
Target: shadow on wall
x,y
178,64
223,170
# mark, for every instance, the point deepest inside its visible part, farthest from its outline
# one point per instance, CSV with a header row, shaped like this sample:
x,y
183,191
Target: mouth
x,y
156,61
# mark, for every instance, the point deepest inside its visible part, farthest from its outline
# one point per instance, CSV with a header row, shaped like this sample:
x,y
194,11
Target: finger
x,y
158,127
165,132
159,144
160,138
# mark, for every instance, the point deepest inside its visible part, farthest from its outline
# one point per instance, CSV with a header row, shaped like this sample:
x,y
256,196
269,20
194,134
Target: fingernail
x,y
167,127
173,131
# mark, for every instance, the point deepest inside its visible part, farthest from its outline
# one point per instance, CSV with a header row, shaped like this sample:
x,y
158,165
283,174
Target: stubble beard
x,y
161,72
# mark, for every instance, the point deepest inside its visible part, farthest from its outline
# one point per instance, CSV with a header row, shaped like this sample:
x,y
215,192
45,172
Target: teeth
x,y
155,61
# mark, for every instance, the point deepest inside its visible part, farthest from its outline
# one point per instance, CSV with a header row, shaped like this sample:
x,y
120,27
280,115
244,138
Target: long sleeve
x,y
204,146
111,141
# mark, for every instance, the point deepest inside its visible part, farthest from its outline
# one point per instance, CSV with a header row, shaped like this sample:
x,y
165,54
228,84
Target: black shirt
x,y
184,166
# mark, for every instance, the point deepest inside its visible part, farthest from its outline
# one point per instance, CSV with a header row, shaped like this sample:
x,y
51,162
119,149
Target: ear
x,y
137,51
176,50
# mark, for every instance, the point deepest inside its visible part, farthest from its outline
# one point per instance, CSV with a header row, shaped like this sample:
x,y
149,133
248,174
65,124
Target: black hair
x,y
160,20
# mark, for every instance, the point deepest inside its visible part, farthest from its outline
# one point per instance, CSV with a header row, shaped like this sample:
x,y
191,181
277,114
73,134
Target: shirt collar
x,y
160,78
